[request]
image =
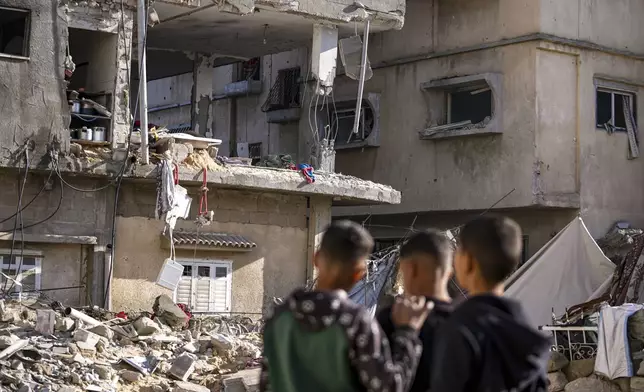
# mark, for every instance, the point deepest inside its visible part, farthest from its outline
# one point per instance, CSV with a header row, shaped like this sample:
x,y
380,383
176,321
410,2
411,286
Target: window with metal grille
x,y
255,152
285,93
342,119
14,32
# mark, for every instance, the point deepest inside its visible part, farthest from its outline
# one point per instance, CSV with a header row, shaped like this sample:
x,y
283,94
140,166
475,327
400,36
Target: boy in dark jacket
x,y
487,345
426,267
320,341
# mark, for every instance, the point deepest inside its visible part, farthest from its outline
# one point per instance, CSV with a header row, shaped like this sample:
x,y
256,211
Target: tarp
x,y
569,270
613,351
367,291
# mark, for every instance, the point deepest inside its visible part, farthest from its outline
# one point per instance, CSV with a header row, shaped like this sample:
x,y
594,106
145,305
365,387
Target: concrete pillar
x,y
319,219
202,75
324,53
324,58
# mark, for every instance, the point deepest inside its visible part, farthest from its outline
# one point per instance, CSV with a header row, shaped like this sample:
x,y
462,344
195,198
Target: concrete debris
x,y
161,353
146,326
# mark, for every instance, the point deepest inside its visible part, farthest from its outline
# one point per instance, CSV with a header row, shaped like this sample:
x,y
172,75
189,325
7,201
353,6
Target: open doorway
x,y
91,78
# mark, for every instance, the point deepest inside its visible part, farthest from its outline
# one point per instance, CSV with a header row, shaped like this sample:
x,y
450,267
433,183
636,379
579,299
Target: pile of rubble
x,y
48,348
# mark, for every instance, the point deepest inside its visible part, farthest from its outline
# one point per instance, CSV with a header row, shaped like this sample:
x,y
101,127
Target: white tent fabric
x,y
613,352
568,270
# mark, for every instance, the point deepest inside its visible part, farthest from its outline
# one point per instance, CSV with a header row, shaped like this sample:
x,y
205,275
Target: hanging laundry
x,y
181,203
165,188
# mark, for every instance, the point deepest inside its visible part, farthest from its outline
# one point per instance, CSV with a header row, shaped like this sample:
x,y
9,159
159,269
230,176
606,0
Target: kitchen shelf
x,y
93,143
82,117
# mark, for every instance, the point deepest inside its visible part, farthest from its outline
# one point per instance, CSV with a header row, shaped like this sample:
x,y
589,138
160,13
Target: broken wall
x,y
33,104
276,223
67,215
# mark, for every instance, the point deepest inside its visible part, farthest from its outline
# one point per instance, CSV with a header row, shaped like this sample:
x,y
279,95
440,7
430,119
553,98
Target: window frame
x,y
467,89
27,35
213,264
615,91
38,257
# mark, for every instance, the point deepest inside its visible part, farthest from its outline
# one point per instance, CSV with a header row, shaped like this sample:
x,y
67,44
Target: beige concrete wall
x,y
276,223
62,266
459,173
174,90
616,23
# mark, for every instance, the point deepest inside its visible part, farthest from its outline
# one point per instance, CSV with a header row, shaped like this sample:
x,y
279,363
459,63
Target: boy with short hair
x,y
487,345
320,341
426,267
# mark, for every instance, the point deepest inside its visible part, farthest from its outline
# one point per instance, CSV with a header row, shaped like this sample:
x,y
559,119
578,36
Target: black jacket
x,y
487,346
435,319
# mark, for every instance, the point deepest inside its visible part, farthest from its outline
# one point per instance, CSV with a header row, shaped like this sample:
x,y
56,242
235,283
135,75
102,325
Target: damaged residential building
x,y
90,192
529,108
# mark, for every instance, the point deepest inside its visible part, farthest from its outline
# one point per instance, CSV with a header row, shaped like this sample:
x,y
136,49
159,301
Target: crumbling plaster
x,y
34,103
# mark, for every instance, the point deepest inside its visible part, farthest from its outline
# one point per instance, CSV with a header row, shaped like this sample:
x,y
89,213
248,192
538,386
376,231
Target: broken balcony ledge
x,y
384,14
334,185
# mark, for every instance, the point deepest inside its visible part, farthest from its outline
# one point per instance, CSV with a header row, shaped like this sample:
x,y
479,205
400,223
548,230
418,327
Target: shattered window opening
x,y
609,108
14,32
469,104
29,272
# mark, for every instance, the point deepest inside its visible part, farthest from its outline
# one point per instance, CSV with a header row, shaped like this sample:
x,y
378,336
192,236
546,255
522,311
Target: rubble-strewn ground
x,y
46,350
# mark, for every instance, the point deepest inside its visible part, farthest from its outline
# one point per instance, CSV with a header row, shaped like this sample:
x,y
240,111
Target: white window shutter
x,y
184,291
202,294
221,289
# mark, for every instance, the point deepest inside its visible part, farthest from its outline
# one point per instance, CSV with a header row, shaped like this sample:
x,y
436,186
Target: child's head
x,y
488,252
426,262
342,258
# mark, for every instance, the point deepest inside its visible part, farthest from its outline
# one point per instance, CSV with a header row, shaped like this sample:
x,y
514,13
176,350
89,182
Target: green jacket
x,y
323,342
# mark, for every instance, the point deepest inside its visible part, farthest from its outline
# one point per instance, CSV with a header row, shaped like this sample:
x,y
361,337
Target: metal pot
x,y
76,107
99,134
87,108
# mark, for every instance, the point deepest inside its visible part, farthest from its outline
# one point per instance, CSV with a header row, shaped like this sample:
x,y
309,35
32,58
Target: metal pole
x,y
109,271
363,73
143,82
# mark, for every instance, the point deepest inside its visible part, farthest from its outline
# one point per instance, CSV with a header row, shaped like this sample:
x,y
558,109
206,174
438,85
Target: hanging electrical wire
x,y
18,216
51,173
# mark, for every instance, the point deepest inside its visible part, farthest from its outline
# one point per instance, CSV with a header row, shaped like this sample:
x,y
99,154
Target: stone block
x,y
103,330
64,324
131,376
579,369
593,383
183,366
8,340
276,219
258,218
87,338
169,312
637,384
189,387
624,383
146,326
45,321
556,362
